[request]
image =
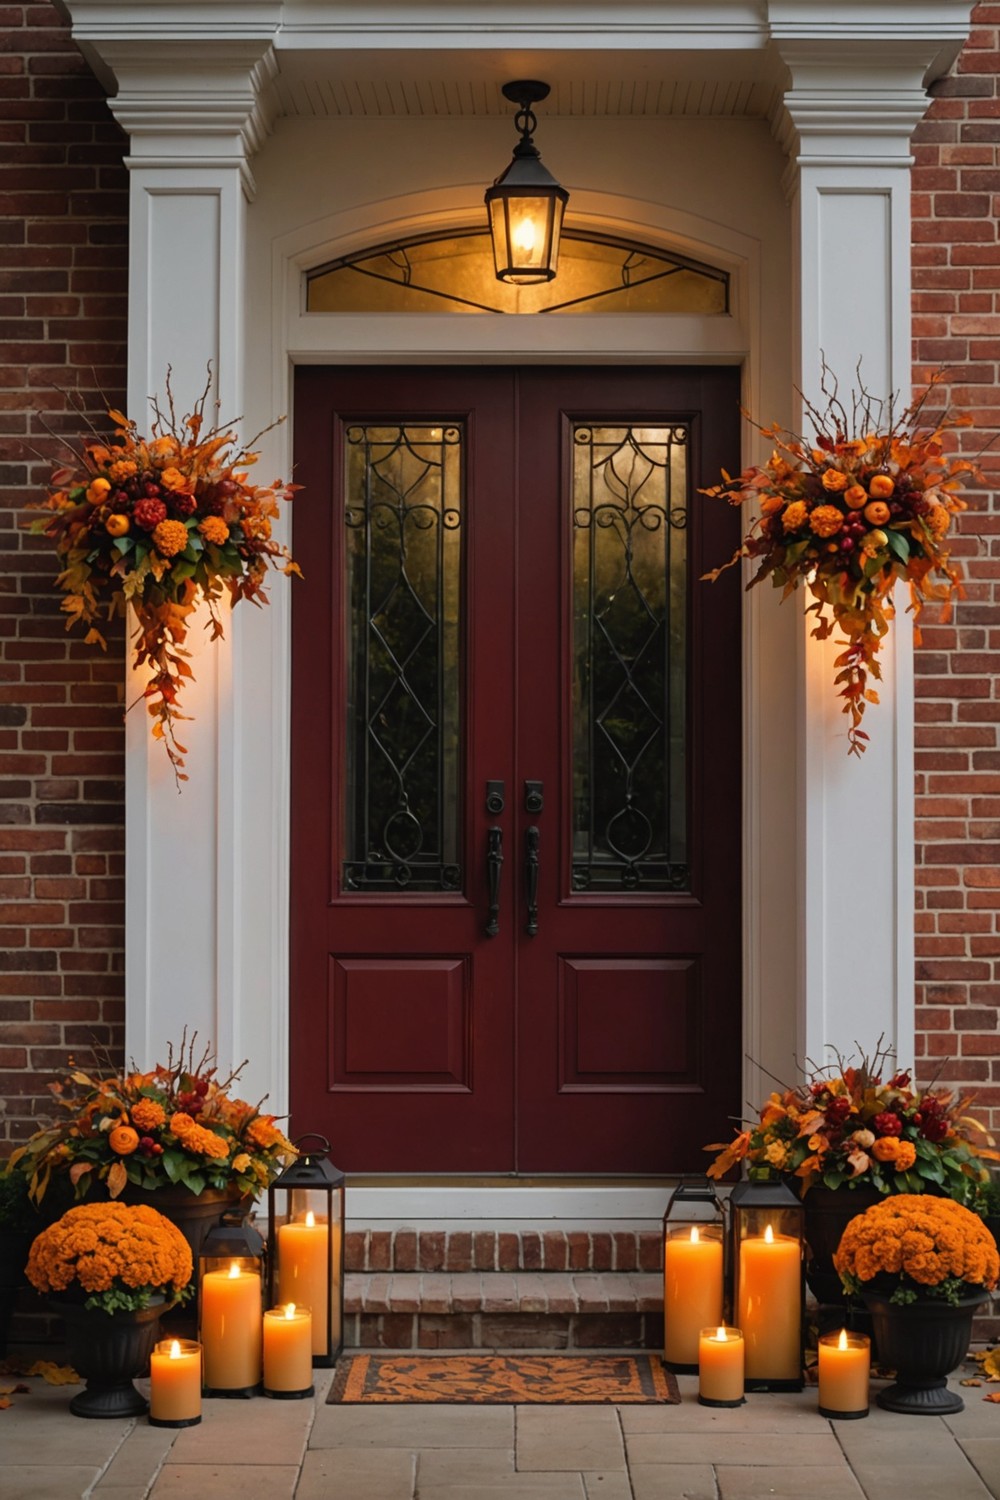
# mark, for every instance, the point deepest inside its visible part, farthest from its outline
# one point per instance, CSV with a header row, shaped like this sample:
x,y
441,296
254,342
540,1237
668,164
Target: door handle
x,y
494,860
531,878
534,796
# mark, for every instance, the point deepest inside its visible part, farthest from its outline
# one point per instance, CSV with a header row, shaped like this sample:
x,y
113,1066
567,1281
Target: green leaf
x,y
898,545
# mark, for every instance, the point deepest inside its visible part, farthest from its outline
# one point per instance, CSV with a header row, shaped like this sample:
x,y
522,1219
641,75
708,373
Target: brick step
x,y
504,1310
457,1250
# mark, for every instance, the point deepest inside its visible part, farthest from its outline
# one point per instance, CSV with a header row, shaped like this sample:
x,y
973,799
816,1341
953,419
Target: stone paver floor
x,y
775,1446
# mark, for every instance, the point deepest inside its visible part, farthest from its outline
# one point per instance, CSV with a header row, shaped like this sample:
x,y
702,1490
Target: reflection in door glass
x,y
403,515
629,652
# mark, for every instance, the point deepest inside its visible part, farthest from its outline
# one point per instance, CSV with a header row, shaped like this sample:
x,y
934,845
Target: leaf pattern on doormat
x,y
502,1379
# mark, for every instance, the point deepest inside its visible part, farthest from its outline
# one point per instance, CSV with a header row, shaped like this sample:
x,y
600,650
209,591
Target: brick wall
x,y
956,324
63,252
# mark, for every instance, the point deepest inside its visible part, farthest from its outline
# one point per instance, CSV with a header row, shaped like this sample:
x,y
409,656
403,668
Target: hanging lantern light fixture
x,y
526,204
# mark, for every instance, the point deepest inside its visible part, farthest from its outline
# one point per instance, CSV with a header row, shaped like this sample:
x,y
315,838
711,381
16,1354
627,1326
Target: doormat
x,y
503,1379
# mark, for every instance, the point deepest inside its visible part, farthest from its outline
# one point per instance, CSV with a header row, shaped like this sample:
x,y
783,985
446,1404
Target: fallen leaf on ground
x,y
970,1382
993,1396
54,1374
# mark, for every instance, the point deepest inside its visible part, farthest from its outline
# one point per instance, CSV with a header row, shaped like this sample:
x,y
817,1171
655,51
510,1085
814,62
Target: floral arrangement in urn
x,y
870,500
852,1129
156,525
178,1125
123,1257
916,1247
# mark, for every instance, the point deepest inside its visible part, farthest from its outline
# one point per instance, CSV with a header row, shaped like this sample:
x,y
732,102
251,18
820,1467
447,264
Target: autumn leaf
x,y
993,1396
971,1381
117,1179
54,1374
78,1169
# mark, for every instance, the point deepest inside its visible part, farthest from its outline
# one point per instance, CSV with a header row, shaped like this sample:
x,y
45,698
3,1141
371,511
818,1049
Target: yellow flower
x,y
776,1154
241,1162
826,519
794,516
170,537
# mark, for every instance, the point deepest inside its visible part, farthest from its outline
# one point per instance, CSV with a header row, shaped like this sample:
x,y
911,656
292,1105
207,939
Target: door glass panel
x,y
630,592
403,518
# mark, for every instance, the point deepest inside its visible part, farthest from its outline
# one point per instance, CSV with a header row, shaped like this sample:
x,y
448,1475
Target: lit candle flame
x,y
311,1219
721,1336
289,1309
842,1341
769,1235
695,1237
234,1270
175,1350
524,236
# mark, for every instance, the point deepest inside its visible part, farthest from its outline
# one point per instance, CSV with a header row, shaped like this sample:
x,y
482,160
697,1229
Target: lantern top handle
x,y
312,1135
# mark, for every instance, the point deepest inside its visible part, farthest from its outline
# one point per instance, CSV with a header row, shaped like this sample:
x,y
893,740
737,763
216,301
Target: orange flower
x,y
886,1148
826,519
927,1239
147,1114
880,486
123,1140
101,1245
256,528
906,1155
214,530
795,515
162,449
170,537
123,469
937,520
877,513
834,480
173,479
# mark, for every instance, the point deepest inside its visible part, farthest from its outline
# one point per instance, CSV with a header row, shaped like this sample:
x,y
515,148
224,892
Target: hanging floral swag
x,y
158,525
870,500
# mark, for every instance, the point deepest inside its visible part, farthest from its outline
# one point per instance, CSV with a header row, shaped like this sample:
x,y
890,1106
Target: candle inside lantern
x,y
231,1328
769,1306
720,1366
844,1368
305,1272
692,1291
288,1351
175,1384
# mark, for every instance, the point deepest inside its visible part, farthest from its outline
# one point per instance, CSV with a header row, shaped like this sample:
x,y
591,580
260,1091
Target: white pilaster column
x,y
850,110
194,117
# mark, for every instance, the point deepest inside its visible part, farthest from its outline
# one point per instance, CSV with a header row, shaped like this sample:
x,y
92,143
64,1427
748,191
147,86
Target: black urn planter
x,y
923,1342
109,1350
14,1247
828,1211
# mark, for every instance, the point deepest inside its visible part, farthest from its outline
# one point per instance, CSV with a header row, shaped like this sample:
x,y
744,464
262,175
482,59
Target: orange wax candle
x,y
692,1291
304,1274
231,1328
844,1367
288,1351
720,1366
175,1384
769,1306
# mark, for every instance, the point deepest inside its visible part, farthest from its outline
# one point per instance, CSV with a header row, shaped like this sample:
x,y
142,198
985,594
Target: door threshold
x,y
506,1202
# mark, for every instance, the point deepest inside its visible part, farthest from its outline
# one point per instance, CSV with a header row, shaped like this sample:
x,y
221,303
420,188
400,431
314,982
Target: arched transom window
x,y
453,272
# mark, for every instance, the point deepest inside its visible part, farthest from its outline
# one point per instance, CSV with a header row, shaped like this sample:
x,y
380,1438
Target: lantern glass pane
x,y
308,1254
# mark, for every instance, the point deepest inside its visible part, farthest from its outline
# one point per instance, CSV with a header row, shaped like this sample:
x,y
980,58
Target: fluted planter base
x,y
109,1351
922,1343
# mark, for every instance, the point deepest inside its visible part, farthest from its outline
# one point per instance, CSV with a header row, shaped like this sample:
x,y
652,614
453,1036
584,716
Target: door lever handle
x,y
494,861
531,837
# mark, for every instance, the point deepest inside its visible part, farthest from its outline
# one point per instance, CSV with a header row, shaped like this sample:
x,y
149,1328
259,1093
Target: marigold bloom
x,y
101,1244
937,520
826,520
214,530
835,480
123,469
173,479
170,537
795,515
147,1114
886,1148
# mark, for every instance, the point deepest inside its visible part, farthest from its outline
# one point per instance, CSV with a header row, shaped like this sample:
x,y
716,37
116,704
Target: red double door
x,y
515,908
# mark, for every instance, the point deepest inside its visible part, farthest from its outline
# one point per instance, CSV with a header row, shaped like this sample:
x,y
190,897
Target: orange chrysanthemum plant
x,y
116,1257
869,501
177,1125
156,526
917,1247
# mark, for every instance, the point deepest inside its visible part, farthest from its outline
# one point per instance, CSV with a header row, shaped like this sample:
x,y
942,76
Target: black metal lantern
x,y
526,204
768,1252
230,1308
305,1233
694,1237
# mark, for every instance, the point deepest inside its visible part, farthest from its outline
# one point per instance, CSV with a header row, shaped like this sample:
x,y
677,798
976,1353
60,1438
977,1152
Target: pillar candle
x,y
304,1274
231,1328
692,1291
769,1307
288,1350
844,1366
720,1366
175,1384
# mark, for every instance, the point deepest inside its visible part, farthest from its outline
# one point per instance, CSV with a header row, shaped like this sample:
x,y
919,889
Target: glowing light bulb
x,y
525,235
